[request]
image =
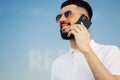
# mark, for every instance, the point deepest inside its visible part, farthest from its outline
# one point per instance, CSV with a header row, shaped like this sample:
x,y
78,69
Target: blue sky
x,y
30,39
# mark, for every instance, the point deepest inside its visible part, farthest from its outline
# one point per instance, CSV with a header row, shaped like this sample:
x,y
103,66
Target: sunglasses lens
x,y
58,17
67,14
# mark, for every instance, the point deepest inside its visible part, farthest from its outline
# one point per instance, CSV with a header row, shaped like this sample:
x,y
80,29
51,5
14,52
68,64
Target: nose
x,y
63,18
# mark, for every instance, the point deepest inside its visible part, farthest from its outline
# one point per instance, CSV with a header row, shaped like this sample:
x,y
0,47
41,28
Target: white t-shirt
x,y
73,66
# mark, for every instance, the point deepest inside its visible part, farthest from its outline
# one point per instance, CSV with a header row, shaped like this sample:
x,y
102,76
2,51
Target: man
x,y
86,60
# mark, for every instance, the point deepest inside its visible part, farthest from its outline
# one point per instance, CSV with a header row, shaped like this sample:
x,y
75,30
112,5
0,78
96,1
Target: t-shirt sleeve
x,y
113,60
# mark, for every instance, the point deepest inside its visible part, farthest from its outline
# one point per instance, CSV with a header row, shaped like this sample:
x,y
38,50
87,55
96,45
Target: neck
x,y
73,44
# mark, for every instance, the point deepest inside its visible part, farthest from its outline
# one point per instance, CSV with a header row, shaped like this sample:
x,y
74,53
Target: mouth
x,y
63,26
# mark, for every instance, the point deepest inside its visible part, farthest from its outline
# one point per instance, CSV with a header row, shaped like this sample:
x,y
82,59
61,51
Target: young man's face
x,y
69,15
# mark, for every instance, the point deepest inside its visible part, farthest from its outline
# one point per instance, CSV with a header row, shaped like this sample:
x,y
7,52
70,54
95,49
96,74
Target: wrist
x,y
86,50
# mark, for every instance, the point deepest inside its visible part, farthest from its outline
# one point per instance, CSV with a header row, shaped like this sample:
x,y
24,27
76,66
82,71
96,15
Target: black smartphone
x,y
85,21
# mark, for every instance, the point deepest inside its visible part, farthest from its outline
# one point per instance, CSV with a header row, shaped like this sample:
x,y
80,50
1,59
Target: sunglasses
x,y
67,14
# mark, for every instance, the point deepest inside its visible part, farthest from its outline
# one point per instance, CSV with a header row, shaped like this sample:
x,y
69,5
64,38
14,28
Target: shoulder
x,y
108,49
101,49
105,47
115,50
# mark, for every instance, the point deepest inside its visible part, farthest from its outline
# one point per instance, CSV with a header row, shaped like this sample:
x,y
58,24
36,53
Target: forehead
x,y
69,7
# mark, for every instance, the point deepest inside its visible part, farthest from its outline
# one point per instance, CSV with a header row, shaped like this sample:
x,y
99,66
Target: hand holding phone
x,y
85,21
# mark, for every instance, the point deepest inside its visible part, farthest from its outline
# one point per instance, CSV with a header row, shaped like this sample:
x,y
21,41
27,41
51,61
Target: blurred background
x,y
30,38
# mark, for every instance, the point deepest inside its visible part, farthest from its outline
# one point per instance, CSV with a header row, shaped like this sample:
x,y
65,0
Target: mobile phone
x,y
85,21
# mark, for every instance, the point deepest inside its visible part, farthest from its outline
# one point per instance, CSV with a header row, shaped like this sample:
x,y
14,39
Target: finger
x,y
76,28
85,29
79,26
83,26
72,31
69,33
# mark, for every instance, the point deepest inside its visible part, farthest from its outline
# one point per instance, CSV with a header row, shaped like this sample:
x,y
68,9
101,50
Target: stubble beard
x,y
64,35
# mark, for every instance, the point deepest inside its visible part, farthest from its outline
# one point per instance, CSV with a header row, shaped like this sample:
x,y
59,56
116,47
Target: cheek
x,y
74,19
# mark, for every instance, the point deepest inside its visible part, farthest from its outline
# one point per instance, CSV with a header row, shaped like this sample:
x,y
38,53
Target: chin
x,y
64,35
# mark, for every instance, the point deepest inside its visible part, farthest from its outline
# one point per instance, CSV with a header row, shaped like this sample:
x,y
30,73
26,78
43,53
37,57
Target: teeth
x,y
64,24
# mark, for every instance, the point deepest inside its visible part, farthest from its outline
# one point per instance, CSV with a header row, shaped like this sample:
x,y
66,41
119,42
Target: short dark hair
x,y
79,3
